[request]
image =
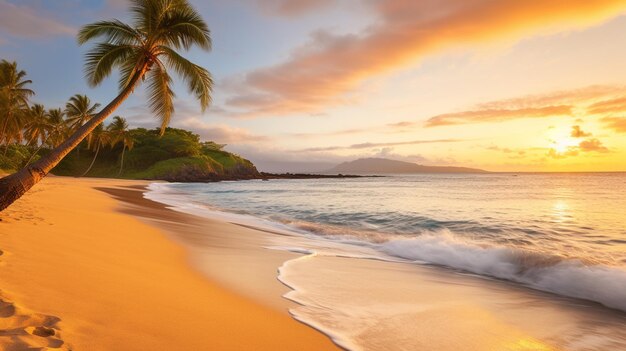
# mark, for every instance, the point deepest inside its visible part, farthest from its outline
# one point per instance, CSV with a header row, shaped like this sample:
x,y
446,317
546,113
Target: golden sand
x,y
77,274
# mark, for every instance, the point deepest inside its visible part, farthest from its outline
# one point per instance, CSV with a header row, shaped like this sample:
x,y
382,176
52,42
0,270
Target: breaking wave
x,y
552,273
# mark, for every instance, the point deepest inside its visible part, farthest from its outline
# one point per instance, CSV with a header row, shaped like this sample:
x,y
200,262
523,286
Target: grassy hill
x,y
177,155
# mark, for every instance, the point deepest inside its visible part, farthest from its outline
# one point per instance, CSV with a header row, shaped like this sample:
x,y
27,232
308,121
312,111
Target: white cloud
x,y
24,21
219,133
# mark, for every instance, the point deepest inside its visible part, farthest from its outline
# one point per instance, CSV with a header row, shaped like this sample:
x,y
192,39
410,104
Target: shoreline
x,y
213,245
110,269
364,302
85,273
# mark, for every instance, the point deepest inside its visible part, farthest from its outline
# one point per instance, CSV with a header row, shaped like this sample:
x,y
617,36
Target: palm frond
x,y
198,79
145,14
130,67
102,58
160,95
113,32
182,27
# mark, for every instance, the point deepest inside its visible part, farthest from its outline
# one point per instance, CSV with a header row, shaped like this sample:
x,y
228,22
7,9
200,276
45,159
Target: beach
x,y
421,262
312,175
110,268
78,272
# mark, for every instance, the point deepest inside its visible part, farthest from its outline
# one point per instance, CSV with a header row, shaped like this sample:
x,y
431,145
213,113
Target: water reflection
x,y
561,212
544,212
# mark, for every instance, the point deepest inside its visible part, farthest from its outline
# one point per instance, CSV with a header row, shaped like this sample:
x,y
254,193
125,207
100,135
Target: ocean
x,y
561,235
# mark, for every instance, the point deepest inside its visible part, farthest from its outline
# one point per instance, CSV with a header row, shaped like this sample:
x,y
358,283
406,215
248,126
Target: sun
x,y
561,141
563,145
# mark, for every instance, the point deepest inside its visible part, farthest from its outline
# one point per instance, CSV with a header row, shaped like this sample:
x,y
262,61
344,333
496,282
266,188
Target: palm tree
x,y
13,101
78,111
14,127
36,129
119,132
101,137
58,128
144,50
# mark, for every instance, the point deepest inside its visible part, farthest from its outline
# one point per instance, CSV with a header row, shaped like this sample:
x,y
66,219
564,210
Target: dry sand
x,y
78,274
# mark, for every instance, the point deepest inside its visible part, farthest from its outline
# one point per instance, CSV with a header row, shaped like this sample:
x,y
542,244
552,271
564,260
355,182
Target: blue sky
x,y
333,80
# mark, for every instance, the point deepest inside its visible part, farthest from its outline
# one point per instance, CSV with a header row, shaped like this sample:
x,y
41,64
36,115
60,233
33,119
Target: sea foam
x,y
560,275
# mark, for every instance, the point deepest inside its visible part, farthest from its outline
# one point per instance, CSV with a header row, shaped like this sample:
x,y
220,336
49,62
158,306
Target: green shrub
x,y
14,158
178,155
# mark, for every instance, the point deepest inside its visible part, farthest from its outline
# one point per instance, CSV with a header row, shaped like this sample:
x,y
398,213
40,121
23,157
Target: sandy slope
x,y
77,274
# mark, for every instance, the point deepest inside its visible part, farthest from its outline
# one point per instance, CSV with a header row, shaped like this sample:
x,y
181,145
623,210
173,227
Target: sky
x,y
508,85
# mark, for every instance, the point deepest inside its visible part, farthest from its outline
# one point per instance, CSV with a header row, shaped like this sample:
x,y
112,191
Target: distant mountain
x,y
386,166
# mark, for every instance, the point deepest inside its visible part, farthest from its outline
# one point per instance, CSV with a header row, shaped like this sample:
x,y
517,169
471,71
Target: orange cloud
x,y
618,124
592,145
608,106
554,104
578,133
378,145
402,124
483,116
323,70
219,133
507,150
572,151
291,7
588,145
333,133
589,94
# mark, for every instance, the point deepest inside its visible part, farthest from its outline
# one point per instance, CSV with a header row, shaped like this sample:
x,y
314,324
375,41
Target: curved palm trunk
x,y
12,187
122,162
92,161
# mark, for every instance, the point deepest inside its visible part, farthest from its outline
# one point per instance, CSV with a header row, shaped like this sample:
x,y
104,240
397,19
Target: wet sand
x,y
374,304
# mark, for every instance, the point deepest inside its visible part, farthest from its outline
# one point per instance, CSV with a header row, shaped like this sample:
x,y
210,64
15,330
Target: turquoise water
x,y
562,233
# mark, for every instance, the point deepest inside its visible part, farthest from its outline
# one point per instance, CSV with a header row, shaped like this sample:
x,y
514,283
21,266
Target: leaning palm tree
x,y
119,133
13,101
144,50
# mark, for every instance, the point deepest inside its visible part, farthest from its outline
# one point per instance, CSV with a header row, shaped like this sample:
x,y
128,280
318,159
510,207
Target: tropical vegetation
x,y
145,50
112,149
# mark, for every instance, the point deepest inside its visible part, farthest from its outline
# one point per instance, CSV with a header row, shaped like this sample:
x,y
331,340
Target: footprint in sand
x,y
6,309
20,330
